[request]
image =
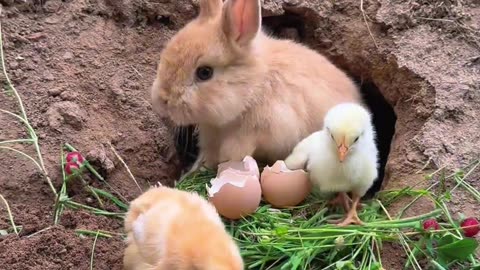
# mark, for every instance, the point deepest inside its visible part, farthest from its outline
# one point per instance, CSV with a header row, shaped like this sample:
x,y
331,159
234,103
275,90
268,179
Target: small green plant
x,y
74,166
21,116
302,238
10,217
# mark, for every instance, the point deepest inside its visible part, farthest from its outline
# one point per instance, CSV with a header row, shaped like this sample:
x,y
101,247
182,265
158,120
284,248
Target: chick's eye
x,y
204,73
356,139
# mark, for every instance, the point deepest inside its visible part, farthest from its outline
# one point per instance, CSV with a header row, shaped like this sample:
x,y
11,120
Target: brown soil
x,y
84,68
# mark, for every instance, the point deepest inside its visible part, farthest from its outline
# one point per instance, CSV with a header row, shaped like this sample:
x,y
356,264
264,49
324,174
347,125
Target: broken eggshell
x,y
282,187
235,195
246,167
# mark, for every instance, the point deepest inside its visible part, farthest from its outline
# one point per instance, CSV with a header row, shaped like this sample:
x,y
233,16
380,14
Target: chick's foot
x,y
352,216
351,219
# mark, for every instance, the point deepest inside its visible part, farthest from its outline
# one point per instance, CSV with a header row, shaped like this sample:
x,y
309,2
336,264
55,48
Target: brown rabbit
x,y
249,94
169,229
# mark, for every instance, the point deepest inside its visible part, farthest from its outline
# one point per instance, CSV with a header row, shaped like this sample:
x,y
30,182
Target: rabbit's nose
x,y
159,105
163,101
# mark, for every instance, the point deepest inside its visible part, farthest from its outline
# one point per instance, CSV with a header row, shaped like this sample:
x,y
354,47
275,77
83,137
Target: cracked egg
x,y
282,187
236,191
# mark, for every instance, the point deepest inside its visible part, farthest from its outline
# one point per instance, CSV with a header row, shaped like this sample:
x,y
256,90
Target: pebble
x,y
48,76
68,55
69,95
36,36
14,65
52,20
55,91
52,6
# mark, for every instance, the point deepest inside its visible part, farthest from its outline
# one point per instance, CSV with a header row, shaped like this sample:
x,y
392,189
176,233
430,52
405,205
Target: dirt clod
x,y
66,112
99,156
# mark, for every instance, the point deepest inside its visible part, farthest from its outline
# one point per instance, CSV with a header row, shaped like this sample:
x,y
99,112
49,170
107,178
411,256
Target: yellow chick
x,y
342,157
172,229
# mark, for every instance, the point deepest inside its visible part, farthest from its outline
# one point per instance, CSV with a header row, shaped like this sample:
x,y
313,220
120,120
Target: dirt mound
x,y
84,69
59,248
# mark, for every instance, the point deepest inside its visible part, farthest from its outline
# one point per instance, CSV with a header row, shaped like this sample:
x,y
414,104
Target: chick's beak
x,y
342,151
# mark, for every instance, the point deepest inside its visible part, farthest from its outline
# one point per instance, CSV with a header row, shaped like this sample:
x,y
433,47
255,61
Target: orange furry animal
x,y
250,94
169,229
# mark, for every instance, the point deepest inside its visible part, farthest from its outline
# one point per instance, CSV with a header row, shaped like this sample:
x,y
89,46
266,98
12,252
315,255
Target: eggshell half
x,y
235,195
246,167
282,187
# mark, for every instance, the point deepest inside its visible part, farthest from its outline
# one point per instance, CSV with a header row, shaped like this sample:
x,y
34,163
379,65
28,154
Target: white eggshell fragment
x,y
282,187
246,167
236,191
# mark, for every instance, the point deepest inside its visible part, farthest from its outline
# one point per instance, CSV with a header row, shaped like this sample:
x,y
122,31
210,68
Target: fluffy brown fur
x,y
169,229
265,94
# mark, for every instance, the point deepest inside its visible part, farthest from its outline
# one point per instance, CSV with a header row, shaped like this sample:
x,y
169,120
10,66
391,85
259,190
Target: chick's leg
x,y
352,216
341,199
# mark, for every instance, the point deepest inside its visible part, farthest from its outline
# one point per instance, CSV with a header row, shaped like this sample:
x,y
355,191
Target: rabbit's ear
x,y
241,20
210,8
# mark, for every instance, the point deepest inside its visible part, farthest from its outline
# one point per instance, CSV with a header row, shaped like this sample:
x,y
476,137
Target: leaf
x,y
460,173
438,265
376,266
296,262
460,250
429,247
281,231
415,254
345,265
448,196
447,239
109,196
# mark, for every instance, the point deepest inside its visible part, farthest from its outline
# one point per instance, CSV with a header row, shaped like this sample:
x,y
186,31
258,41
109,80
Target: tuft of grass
x,y
126,166
100,233
93,249
65,201
302,238
10,216
22,117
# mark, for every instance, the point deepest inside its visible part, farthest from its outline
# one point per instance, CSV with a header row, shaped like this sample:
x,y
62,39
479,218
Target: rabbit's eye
x,y
204,73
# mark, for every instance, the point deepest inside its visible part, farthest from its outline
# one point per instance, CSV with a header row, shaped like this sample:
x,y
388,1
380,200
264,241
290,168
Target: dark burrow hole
x,y
384,118
186,140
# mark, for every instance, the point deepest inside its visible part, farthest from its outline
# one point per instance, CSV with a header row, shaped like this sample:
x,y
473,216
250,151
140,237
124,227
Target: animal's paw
x,y
354,219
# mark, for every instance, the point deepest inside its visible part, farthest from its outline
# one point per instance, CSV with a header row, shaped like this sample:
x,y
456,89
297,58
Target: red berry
x,y
75,157
430,224
71,167
470,227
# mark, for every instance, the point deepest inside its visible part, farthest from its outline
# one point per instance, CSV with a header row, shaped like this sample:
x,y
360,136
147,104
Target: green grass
x,y
10,216
302,238
65,201
93,249
21,116
61,197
